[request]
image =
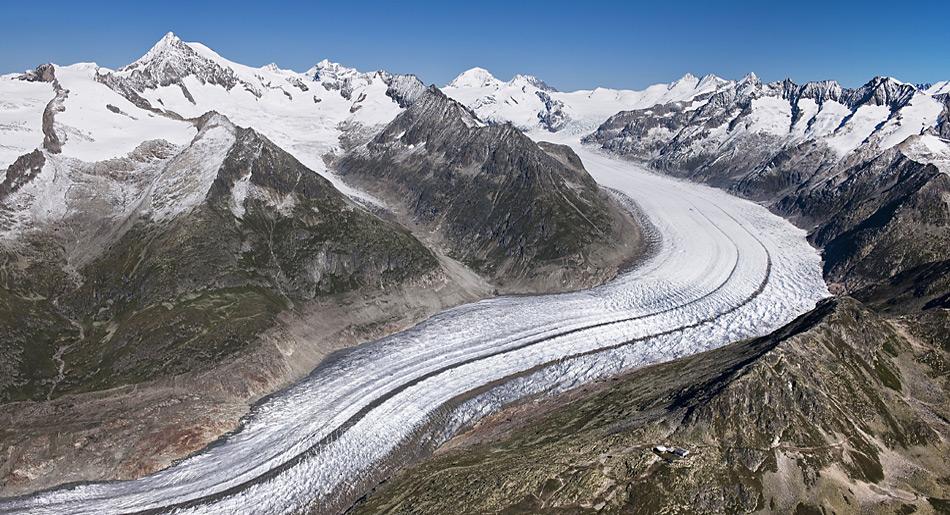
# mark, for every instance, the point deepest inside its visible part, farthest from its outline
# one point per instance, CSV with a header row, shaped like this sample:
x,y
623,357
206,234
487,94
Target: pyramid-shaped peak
x,y
711,79
169,41
169,46
751,78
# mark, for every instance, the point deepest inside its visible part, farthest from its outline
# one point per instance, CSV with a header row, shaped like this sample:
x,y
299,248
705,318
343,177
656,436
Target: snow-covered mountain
x,y
129,193
107,113
758,120
875,117
529,103
865,169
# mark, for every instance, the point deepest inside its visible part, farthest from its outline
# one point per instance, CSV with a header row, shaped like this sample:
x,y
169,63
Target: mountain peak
x,y
887,78
532,80
750,78
329,70
168,45
882,90
688,81
170,60
710,81
474,78
689,77
168,42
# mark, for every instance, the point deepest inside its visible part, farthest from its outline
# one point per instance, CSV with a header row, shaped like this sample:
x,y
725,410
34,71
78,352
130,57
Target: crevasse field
x,y
723,269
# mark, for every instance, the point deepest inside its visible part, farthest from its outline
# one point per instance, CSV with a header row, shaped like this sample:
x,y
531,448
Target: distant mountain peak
x,y
474,78
750,78
329,70
521,79
326,64
686,82
168,47
882,90
170,60
688,78
710,80
822,90
168,38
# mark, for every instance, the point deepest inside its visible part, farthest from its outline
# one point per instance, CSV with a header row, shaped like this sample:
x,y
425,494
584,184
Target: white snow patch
x,y
770,115
939,88
857,129
93,132
239,195
21,116
928,148
913,119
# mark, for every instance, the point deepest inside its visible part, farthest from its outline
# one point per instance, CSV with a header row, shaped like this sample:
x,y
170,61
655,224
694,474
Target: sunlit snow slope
x,y
724,269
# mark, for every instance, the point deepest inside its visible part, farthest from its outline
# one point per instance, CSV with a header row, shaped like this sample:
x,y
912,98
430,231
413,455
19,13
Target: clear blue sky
x,y
571,45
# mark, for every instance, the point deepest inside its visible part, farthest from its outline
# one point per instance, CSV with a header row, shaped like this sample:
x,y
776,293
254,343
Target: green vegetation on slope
x,y
166,297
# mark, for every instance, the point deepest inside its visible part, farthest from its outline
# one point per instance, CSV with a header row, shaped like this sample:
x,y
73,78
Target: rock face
x,y
552,117
404,89
52,139
21,172
496,200
863,169
42,73
839,411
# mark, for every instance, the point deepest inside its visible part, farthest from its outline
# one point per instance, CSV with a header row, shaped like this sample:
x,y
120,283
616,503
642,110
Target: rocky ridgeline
x,y
864,189
500,203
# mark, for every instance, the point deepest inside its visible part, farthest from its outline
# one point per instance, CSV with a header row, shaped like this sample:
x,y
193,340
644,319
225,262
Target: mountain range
x,y
185,235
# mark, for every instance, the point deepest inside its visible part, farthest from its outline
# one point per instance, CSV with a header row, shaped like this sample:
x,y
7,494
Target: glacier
x,y
722,269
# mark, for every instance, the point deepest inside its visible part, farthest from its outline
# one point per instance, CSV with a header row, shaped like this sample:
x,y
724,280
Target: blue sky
x,y
571,45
